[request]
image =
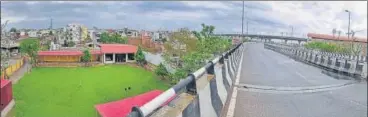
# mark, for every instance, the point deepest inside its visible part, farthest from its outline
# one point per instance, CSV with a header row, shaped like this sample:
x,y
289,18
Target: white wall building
x,y
132,33
72,32
32,33
155,36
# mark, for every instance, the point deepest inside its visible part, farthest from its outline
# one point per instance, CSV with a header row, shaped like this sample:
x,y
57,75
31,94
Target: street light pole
x,y
292,31
247,20
348,24
349,31
243,22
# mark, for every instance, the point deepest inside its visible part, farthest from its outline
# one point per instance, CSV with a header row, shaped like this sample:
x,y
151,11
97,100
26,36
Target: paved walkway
x,y
20,73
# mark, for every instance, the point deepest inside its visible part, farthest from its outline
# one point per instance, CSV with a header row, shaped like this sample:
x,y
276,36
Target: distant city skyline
x,y
264,16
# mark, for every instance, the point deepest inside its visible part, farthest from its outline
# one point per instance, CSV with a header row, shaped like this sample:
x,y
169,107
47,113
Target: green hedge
x,y
328,47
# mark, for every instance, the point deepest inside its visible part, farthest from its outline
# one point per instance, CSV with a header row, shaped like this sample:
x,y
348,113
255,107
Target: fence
x,y
12,68
352,65
203,93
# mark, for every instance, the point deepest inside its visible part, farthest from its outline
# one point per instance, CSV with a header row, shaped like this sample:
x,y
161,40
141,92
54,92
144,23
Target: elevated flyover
x,y
266,37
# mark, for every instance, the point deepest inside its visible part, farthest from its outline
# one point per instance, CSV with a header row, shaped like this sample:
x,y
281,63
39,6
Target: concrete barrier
x,y
355,66
202,94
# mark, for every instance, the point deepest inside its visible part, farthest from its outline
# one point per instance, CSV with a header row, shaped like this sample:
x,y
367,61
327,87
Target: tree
x,y
113,38
30,47
339,33
104,37
86,58
161,71
209,44
48,45
193,61
334,32
190,52
13,29
163,40
179,74
181,42
139,57
50,33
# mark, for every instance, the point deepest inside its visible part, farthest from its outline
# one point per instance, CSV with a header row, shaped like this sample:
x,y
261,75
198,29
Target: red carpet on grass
x,y
122,108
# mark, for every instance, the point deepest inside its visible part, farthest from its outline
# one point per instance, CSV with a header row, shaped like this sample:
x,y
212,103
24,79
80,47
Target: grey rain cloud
x,y
265,17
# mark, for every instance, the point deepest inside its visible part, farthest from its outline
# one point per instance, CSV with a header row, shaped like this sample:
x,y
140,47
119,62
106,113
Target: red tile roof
x,y
336,37
66,53
118,48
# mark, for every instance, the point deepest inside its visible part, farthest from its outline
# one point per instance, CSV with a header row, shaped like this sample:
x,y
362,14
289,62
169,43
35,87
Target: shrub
x,y
139,57
86,57
161,71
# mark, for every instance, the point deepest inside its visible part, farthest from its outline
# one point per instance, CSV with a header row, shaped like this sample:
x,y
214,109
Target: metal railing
x,y
187,84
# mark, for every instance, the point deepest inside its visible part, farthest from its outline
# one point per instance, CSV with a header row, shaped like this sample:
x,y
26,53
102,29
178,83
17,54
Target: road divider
x,y
356,68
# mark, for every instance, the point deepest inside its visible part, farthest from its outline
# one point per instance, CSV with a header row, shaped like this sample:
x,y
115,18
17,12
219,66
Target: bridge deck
x,y
267,74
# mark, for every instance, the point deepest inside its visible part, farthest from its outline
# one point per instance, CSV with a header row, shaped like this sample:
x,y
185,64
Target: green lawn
x,y
73,92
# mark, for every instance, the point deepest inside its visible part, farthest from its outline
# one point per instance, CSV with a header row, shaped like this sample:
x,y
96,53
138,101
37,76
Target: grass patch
x,y
73,92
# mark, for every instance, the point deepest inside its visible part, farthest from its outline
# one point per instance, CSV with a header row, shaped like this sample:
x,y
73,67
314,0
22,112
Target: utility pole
x,y
243,22
51,24
348,24
247,22
292,31
352,42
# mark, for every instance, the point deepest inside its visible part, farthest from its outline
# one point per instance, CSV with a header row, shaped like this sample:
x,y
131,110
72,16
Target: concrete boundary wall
x,y
356,68
203,93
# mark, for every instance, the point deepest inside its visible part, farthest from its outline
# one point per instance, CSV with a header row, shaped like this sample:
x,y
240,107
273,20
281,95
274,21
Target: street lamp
x,y
243,22
349,29
348,23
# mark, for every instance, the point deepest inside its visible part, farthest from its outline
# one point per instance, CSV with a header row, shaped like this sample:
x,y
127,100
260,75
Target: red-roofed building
x,y
357,42
109,53
66,56
118,52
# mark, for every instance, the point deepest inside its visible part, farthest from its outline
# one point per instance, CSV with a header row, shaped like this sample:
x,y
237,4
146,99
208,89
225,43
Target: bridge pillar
x,y
299,42
285,41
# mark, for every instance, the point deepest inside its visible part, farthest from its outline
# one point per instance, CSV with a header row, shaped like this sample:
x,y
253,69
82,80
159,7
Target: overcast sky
x,y
267,16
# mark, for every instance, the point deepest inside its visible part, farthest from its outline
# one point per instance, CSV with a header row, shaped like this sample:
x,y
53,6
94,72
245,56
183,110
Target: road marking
x,y
301,75
231,109
281,90
239,68
351,101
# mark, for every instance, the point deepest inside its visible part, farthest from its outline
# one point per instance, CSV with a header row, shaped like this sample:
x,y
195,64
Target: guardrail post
x,y
211,69
221,61
191,88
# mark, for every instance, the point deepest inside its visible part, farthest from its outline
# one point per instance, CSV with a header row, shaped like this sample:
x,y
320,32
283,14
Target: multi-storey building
x,y
74,32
